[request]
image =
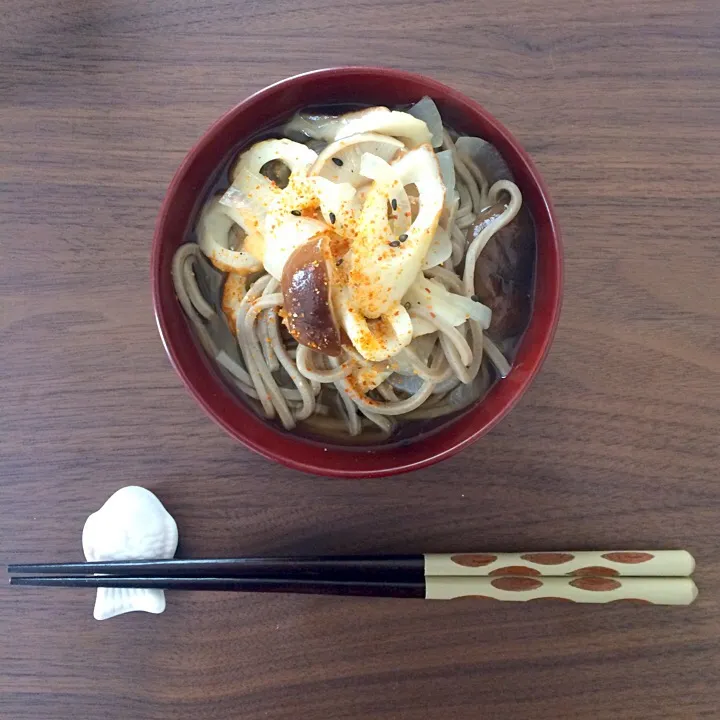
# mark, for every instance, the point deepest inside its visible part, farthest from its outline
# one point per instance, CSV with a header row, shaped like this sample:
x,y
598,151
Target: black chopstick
x,y
269,585
659,577
654,590
401,568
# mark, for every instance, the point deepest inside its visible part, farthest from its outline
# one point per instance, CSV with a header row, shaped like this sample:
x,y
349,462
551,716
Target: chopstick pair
x,y
655,577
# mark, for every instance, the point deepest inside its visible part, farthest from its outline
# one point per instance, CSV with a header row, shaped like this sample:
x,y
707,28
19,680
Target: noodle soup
x,y
360,275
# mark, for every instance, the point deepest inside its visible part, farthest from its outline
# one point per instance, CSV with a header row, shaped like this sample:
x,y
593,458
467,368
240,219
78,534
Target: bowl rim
x,y
394,462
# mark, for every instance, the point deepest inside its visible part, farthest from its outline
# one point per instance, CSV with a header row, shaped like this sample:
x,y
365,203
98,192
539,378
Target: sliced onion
x,y
339,204
482,314
340,161
409,384
421,347
387,188
401,324
496,357
447,172
447,277
439,251
285,236
306,125
454,309
383,267
422,327
426,110
486,157
387,122
441,247
326,127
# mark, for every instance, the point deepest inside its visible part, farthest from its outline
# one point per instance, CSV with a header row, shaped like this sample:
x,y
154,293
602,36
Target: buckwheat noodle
x,y
299,385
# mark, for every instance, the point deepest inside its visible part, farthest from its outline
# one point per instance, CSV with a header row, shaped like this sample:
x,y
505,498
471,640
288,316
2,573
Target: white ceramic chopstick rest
x,y
132,525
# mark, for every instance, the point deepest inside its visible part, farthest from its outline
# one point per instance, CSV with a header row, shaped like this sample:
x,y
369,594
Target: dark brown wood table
x,y
615,444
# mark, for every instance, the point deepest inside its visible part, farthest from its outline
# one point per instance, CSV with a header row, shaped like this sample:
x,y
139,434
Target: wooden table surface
x,y
615,445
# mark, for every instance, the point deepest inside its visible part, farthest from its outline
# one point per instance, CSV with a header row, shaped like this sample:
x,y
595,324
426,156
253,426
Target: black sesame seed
x,y
394,204
408,305
403,237
296,213
339,262
395,243
338,162
332,218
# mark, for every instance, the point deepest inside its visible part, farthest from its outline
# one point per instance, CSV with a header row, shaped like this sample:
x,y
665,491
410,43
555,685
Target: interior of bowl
x,y
376,86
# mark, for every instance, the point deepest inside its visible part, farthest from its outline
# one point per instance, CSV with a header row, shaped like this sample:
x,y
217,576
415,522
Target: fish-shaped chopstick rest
x,y
132,525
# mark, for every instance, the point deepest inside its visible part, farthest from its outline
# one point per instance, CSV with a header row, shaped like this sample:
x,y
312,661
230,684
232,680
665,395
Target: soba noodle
x,y
437,369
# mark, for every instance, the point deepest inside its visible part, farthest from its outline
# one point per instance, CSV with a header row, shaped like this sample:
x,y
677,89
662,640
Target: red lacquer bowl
x,y
379,86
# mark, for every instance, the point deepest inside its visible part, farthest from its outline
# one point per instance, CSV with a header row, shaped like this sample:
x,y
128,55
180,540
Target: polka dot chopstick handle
x,y
651,591
601,563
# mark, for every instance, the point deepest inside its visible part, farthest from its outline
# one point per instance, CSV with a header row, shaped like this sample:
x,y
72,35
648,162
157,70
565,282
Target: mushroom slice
x,y
214,239
382,267
309,314
340,161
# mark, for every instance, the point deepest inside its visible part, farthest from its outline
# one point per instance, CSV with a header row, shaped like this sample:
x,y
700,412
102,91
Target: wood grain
x,y
615,445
